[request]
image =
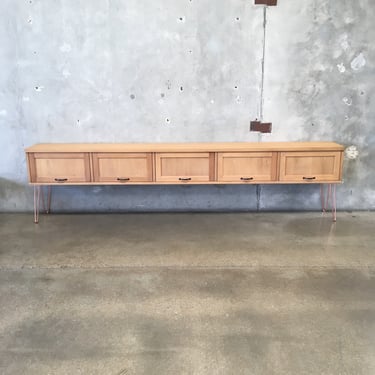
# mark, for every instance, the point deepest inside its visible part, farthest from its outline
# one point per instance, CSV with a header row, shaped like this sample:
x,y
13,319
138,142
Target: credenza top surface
x,y
186,147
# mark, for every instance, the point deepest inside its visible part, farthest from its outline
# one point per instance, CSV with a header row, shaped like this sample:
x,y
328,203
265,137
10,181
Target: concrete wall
x,y
185,71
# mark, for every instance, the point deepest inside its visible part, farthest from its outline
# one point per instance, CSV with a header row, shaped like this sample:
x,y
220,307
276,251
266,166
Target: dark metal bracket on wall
x,y
262,127
266,2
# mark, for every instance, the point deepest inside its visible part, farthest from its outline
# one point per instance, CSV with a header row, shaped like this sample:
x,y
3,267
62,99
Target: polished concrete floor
x,y
186,294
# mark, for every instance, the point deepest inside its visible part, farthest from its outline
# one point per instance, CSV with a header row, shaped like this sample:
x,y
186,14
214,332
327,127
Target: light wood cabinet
x,y
59,167
185,167
195,163
184,163
310,167
122,167
247,167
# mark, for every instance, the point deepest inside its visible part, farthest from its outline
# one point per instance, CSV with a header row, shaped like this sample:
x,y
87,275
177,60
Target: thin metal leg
x,y
49,195
322,198
42,198
46,207
36,203
329,192
329,197
333,200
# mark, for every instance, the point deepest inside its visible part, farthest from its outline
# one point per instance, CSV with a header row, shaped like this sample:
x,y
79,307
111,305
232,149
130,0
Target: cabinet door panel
x,y
247,166
185,167
310,167
122,167
59,167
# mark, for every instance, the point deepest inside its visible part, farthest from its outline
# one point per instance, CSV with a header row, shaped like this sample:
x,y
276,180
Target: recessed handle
x,y
61,179
123,179
247,178
309,178
185,178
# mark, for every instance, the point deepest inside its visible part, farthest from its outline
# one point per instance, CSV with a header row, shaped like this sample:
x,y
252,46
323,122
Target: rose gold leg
x,y
49,199
333,200
46,208
36,203
322,198
329,198
42,198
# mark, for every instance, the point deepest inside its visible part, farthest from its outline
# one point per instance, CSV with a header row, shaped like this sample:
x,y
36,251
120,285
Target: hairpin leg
x,y
49,194
322,198
333,201
46,207
36,203
42,198
329,197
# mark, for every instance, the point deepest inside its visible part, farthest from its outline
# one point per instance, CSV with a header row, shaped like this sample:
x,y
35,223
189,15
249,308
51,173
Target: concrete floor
x,y
187,294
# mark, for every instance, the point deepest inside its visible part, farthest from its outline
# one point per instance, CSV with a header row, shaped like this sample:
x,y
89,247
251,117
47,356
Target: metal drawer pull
x,y
185,179
247,178
123,179
309,178
61,179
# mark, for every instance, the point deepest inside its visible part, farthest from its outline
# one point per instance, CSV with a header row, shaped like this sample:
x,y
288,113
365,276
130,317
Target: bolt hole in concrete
x,y
181,88
167,120
347,101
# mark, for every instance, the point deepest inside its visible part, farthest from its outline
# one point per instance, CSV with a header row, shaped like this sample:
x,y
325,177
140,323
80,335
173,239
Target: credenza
x,y
185,163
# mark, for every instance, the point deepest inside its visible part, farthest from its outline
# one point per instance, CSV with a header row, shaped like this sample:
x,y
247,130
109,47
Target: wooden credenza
x,y
184,163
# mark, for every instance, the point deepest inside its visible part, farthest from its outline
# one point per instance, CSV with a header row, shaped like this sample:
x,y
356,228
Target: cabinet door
x,y
310,167
185,167
59,167
122,167
247,167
